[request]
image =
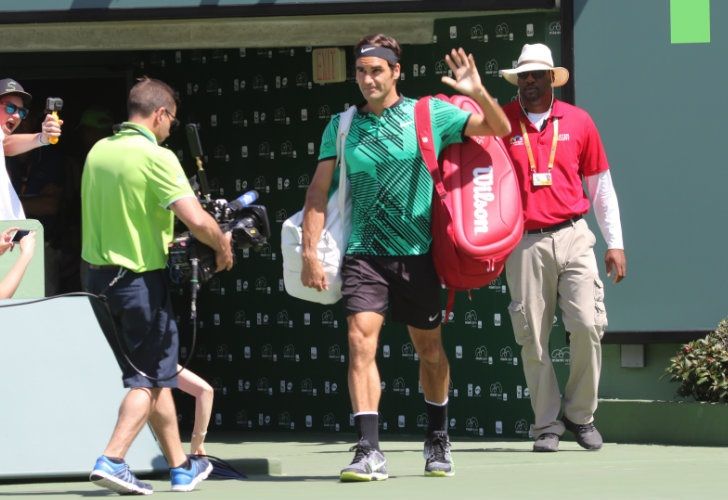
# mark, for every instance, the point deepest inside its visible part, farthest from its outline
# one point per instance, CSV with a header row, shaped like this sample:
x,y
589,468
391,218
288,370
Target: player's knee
x,y
431,353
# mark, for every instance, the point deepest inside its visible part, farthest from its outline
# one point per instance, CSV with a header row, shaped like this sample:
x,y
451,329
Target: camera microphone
x,y
243,200
193,139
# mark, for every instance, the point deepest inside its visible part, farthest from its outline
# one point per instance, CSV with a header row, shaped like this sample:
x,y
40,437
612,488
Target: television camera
x,y
191,261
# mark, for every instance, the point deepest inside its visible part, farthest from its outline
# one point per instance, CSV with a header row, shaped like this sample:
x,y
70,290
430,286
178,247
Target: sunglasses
x,y
537,75
11,109
175,121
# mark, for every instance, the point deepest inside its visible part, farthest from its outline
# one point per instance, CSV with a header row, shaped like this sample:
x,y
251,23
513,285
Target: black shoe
x,y
438,460
586,435
547,442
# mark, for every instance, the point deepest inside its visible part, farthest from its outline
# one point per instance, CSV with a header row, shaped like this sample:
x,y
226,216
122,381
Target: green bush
x,y
701,367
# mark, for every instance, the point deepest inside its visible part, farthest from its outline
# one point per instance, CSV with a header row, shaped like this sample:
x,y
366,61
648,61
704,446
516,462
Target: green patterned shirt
x,y
390,186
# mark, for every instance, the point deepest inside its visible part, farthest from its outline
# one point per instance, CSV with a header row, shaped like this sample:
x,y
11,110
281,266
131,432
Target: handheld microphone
x,y
243,200
53,106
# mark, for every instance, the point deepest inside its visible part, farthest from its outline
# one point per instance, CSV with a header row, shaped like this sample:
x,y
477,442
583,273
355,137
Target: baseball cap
x,y
8,86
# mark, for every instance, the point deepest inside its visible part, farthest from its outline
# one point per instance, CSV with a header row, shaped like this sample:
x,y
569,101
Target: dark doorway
x,y
48,179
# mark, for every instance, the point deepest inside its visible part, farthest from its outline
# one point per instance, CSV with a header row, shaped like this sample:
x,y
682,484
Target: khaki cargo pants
x,y
544,269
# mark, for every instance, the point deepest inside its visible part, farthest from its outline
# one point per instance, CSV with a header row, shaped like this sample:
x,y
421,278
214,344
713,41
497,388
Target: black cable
x,y
43,299
122,347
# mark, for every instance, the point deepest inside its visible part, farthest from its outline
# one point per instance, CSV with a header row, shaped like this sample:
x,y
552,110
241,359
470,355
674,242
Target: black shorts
x,y
141,311
408,285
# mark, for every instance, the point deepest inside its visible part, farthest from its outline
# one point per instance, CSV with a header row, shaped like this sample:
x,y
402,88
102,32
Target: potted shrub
x,y
701,367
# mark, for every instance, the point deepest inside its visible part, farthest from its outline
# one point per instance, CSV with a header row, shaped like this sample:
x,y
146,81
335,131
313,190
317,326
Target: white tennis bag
x,y
334,237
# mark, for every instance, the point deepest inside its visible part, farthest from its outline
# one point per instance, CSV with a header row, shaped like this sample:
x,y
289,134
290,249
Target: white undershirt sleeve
x,y
606,208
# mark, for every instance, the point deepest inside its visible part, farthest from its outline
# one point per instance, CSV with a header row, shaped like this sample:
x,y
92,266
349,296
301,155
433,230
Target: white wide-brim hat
x,y
535,57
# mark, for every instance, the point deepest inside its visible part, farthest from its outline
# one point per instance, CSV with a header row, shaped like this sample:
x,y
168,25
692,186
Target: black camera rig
x,y
249,226
191,261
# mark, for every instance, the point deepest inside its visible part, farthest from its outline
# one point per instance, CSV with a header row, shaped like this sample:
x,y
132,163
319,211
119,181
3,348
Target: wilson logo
x,y
482,196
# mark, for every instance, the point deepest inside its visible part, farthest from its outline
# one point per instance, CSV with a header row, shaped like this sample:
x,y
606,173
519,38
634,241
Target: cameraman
x,y
131,189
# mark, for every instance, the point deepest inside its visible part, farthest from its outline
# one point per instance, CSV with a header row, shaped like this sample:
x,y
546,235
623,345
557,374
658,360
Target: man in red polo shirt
x,y
555,147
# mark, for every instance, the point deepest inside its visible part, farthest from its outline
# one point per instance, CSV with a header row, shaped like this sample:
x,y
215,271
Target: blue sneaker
x,y
186,479
118,478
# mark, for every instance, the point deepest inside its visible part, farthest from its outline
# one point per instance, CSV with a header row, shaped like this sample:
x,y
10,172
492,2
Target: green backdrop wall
x,y
278,363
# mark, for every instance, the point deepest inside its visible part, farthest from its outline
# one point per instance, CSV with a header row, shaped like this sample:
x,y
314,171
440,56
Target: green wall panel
x,y
253,336
278,363
655,140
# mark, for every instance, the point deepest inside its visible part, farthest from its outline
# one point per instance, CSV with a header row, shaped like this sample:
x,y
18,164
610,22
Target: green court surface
x,y
307,468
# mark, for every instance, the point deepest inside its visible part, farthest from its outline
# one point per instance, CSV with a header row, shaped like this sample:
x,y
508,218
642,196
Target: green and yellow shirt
x,y
128,183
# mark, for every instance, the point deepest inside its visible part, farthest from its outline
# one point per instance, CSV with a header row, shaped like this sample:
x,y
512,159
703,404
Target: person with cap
x,y
14,102
555,147
388,264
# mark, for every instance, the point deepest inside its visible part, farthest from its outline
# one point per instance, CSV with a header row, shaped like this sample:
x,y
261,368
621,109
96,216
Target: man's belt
x,y
103,268
556,227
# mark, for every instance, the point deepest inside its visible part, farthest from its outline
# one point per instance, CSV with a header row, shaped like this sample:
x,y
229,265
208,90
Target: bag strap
x,y
423,127
345,119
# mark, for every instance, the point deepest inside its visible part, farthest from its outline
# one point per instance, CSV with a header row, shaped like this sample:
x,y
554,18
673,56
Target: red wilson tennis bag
x,y
477,217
